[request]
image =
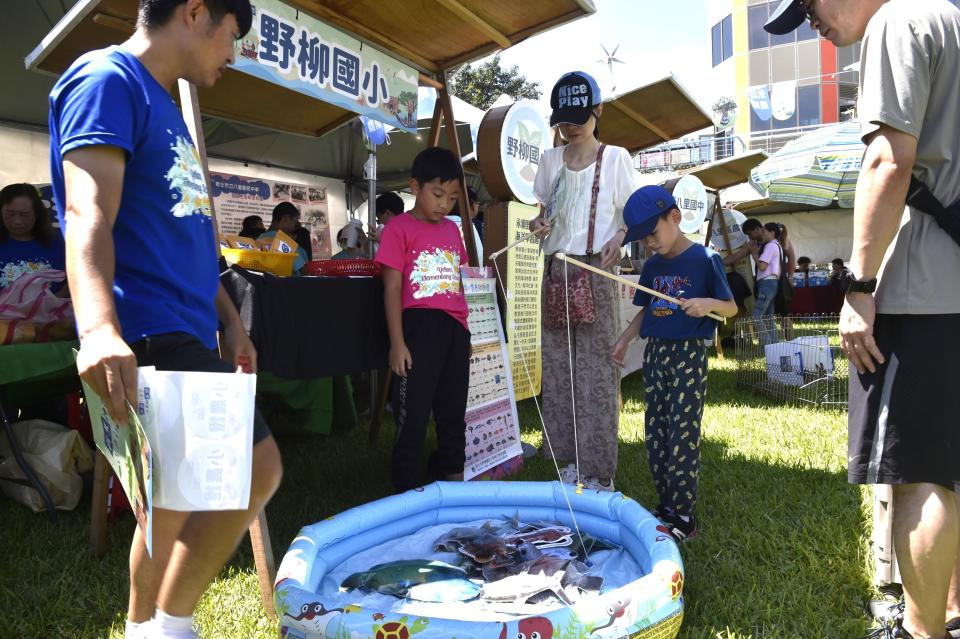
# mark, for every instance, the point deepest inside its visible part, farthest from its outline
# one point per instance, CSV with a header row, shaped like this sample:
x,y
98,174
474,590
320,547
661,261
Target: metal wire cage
x,y
794,359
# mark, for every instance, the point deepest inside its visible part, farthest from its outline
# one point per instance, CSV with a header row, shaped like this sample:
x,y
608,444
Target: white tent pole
x,y
372,195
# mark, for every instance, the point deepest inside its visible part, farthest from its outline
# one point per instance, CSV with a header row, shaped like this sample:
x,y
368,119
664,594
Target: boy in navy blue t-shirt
x,y
675,357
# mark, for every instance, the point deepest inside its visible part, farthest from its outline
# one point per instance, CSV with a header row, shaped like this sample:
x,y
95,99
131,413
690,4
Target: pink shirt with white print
x,y
428,257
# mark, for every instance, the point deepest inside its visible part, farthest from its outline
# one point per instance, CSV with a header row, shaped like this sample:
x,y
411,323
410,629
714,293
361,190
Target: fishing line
x,y
546,435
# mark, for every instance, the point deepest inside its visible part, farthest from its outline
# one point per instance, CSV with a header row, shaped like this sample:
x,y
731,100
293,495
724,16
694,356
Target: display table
x,y
311,327
816,300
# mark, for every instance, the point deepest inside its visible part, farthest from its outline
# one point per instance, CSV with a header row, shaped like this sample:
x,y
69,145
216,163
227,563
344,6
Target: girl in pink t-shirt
x,y
421,253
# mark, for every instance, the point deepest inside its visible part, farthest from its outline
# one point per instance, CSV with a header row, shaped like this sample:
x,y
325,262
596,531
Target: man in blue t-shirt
x,y
142,264
675,356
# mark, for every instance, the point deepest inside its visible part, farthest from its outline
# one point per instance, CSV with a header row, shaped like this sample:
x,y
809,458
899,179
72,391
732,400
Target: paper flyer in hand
x,y
129,452
201,425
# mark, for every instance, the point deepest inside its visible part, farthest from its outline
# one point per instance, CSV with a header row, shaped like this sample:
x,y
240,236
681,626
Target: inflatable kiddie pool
x,y
644,599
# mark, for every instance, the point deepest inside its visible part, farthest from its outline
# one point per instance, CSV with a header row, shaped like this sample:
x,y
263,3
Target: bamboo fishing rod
x,y
627,282
513,244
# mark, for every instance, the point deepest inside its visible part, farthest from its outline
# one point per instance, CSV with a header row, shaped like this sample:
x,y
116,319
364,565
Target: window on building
x,y
715,36
757,16
808,105
727,30
806,33
786,38
721,35
756,124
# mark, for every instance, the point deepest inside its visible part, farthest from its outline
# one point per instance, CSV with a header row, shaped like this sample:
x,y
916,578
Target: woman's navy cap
x,y
573,98
643,210
787,17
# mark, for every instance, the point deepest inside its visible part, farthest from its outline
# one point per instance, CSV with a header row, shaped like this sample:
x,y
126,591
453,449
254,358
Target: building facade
x,y
779,86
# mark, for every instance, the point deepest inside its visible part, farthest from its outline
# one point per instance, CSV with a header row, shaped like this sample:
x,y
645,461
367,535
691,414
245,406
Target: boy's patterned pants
x,y
675,377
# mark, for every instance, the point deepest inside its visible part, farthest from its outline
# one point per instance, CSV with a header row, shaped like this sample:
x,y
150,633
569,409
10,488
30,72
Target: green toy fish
x,y
409,579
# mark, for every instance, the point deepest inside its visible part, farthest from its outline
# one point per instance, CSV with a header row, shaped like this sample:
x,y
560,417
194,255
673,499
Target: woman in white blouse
x,y
564,187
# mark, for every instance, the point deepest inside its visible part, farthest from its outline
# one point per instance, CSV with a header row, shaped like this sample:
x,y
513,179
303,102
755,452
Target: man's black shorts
x,y
184,352
905,418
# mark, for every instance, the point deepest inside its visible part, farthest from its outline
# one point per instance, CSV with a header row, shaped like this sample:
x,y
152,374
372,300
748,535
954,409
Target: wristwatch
x,y
850,284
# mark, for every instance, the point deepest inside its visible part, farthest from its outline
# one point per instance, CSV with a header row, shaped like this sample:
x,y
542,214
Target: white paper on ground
x,y
200,426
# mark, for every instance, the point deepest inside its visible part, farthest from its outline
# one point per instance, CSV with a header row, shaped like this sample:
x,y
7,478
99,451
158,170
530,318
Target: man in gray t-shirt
x,y
905,340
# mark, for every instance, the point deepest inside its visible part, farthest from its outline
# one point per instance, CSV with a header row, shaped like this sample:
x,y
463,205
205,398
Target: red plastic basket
x,y
342,268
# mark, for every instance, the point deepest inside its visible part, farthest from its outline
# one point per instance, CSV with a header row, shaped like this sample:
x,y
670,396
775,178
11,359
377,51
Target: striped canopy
x,y
816,169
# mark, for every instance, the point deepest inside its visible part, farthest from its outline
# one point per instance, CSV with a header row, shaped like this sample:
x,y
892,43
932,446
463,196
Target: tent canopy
x,y
657,112
723,174
765,206
458,31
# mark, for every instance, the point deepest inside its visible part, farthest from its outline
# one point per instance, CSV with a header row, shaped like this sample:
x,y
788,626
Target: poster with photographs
x,y
235,197
493,433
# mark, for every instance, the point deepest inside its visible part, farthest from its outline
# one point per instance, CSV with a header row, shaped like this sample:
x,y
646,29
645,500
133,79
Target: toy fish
x,y
445,591
398,577
452,540
519,588
545,564
488,548
563,578
542,537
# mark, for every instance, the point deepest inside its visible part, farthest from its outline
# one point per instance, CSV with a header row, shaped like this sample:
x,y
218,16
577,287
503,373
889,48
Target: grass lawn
x,y
783,550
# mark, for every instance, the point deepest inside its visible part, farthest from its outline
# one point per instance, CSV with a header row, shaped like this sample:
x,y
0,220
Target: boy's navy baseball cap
x,y
573,98
787,17
643,209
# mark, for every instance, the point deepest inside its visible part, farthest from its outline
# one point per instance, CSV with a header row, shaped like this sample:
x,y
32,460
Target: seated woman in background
x,y
28,241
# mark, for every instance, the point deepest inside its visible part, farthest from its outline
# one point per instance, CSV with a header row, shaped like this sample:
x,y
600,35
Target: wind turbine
x,y
611,60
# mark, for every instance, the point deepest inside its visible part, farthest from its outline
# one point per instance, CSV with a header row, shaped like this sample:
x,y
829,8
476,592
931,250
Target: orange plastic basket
x,y
269,262
342,268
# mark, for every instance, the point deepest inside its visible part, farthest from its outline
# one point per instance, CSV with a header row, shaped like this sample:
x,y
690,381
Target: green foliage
x,y
483,83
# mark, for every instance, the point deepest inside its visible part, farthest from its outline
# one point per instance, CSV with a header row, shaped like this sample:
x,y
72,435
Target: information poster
x,y
493,434
523,277
235,197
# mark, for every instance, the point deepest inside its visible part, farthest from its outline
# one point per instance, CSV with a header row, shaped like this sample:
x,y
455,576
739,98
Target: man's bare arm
x,y
93,181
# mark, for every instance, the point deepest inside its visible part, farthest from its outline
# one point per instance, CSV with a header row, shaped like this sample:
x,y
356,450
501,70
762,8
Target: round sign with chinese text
x,y
691,197
511,141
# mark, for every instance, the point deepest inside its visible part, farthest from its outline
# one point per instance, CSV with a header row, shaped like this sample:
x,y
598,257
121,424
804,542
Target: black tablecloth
x,y
309,327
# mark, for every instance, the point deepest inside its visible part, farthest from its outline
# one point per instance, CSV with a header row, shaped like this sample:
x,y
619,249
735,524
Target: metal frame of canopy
x,y
460,31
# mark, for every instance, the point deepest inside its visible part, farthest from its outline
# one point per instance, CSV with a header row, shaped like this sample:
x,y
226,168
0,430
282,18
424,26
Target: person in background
x,y
474,208
28,242
769,266
302,236
388,205
836,270
803,264
421,253
352,241
790,254
252,227
286,218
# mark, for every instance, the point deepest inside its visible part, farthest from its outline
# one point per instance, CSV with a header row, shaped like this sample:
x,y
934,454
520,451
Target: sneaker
x,y
682,527
568,474
595,483
889,616
953,628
